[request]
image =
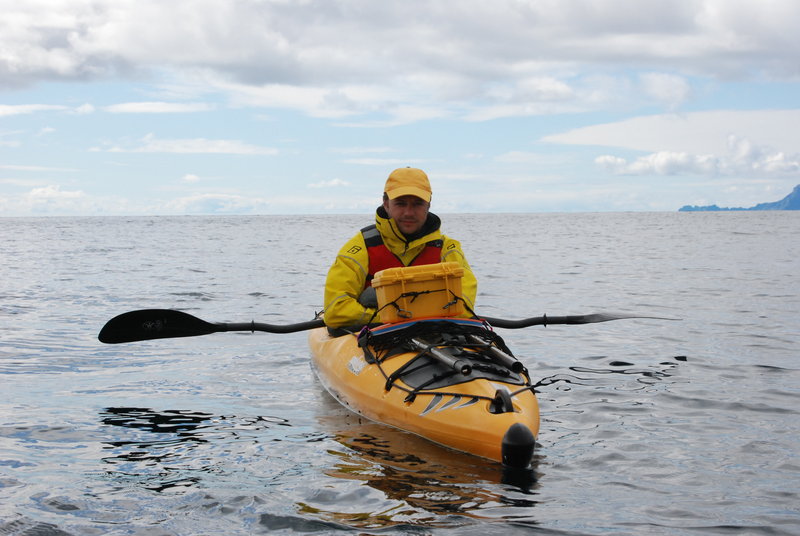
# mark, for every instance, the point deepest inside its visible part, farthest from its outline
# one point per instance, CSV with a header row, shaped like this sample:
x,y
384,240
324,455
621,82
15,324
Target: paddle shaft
x,y
545,320
271,328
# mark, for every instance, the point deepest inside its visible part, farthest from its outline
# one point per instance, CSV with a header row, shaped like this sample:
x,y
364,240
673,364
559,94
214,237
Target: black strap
x,y
372,236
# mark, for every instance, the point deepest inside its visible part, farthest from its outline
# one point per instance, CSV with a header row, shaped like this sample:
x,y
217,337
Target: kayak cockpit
x,y
446,352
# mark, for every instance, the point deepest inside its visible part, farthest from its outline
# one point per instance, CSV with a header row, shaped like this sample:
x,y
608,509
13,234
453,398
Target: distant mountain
x,y
790,202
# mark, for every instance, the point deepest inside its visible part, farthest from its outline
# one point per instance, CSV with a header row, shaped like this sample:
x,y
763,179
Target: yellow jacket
x,y
348,274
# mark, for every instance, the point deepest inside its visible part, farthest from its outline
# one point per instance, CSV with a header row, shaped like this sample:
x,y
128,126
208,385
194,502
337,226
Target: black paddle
x,y
165,323
150,324
552,320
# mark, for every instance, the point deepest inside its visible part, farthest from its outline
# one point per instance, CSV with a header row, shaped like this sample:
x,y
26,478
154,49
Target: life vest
x,y
381,257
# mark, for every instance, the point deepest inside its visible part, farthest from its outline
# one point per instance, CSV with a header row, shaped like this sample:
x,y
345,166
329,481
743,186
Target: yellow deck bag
x,y
413,292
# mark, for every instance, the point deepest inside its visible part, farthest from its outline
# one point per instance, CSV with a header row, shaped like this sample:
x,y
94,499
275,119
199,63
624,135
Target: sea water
x,y
688,426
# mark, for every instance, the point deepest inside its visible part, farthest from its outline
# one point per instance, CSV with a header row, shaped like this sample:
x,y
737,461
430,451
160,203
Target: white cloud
x,y
333,183
52,192
361,150
468,58
23,183
34,168
669,89
20,109
527,157
383,162
49,200
743,158
315,101
216,203
696,133
7,110
84,109
151,144
661,163
190,177
157,107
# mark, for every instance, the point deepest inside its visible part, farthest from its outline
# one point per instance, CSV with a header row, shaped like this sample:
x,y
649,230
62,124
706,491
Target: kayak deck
x,y
450,380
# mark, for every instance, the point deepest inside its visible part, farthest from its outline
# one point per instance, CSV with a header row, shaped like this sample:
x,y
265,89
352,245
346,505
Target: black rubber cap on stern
x,y
518,445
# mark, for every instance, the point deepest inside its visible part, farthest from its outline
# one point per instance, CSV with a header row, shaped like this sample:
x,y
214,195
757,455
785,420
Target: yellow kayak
x,y
450,380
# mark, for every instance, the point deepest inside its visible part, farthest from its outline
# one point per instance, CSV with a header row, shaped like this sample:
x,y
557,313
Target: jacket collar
x,y
396,241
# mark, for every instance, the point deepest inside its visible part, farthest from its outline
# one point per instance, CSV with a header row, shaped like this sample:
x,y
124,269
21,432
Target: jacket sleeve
x,y
451,252
345,282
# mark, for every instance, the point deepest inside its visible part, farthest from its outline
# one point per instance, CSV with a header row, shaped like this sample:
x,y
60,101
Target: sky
x,y
151,107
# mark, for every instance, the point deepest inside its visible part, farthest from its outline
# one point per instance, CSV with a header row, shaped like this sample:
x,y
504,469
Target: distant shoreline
x,y
790,202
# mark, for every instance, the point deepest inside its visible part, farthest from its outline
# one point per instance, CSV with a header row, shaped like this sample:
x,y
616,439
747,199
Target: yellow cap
x,y
408,181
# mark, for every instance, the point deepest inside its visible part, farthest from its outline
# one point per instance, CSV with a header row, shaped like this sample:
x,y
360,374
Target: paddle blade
x,y
153,324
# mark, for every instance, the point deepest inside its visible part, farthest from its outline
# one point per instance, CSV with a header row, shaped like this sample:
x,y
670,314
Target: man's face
x,y
409,211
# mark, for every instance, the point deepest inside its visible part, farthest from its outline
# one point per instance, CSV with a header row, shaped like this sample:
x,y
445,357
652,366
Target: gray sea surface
x,y
685,427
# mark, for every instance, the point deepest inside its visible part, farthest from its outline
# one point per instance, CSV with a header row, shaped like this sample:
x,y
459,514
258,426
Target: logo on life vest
x,y
353,250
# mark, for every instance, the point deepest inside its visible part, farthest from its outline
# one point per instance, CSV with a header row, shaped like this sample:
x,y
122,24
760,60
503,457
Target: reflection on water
x,y
378,476
639,375
419,481
375,476
160,452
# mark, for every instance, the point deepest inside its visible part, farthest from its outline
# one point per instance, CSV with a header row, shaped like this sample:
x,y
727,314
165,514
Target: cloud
x,y
7,110
716,143
361,150
333,183
384,162
51,192
52,200
215,203
316,101
157,107
84,109
661,163
697,133
743,158
466,59
151,144
527,158
190,177
48,200
34,168
25,183
669,89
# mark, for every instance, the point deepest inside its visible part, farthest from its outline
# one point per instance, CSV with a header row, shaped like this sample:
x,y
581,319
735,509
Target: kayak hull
x,y
464,415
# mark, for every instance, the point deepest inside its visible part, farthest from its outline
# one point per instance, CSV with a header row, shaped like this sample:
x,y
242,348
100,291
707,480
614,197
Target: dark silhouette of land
x,y
790,202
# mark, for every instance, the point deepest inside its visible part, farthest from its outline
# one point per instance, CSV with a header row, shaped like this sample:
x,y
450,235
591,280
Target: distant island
x,y
790,202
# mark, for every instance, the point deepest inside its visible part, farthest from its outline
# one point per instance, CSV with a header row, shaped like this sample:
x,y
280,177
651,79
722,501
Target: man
x,y
405,234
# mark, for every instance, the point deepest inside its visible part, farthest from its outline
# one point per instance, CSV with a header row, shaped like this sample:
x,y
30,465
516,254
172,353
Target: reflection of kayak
x,y
450,380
